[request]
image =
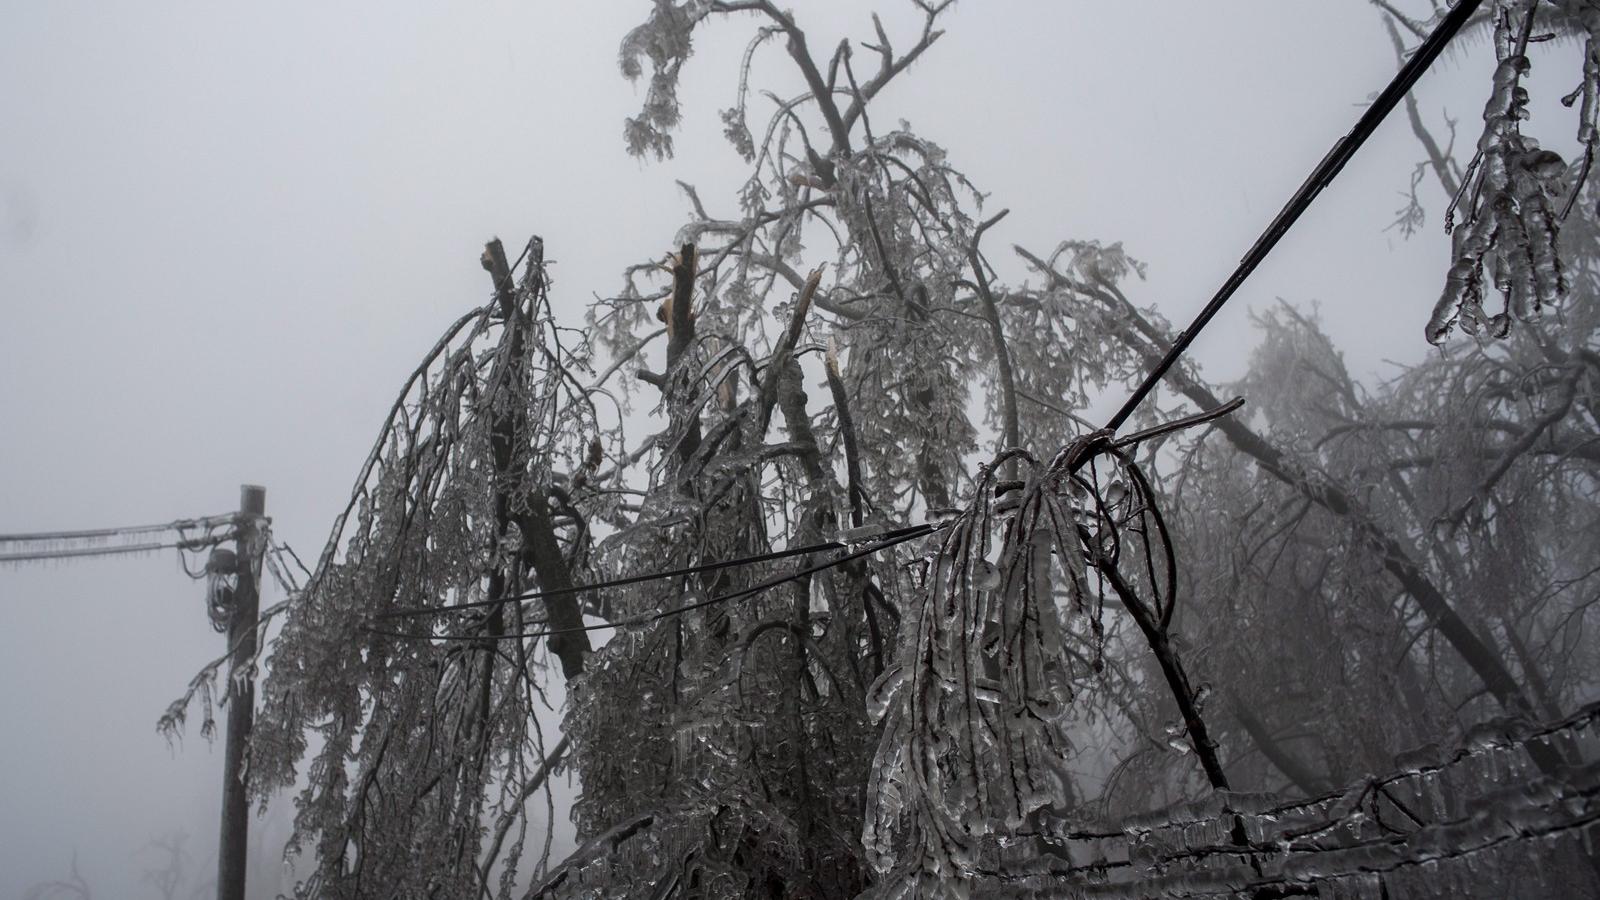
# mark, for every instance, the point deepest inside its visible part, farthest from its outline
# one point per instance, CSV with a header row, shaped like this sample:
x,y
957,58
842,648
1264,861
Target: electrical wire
x,y
897,535
106,533
636,621
73,553
884,539
1320,178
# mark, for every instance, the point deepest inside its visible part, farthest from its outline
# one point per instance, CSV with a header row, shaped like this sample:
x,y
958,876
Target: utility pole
x,y
241,694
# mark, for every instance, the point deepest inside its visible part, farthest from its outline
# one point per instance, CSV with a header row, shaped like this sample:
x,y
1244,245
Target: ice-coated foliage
x,y
1017,704
973,709
1510,201
664,40
419,743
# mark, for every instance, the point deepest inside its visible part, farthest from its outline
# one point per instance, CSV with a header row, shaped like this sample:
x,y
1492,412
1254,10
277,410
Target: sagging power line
x,y
121,549
888,537
900,537
880,538
45,546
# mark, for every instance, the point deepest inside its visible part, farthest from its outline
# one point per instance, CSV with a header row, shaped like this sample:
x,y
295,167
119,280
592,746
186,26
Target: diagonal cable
x,y
897,535
903,535
1320,178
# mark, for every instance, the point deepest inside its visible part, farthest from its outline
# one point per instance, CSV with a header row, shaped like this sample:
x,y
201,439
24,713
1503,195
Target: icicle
x,y
1456,287
987,577
884,691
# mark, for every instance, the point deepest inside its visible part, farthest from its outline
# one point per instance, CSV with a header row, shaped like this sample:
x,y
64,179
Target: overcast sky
x,y
226,236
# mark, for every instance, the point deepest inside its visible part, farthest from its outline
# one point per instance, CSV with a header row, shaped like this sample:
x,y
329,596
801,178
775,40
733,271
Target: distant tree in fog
x,y
73,887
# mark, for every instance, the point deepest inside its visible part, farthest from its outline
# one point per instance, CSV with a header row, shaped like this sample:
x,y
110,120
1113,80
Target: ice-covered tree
x,y
790,698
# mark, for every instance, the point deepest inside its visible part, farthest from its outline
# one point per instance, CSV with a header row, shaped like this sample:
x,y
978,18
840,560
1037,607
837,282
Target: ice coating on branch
x,y
974,708
884,690
424,527
666,40
1511,222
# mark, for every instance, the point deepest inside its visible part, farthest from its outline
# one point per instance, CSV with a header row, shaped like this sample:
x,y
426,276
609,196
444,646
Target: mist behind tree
x,y
840,359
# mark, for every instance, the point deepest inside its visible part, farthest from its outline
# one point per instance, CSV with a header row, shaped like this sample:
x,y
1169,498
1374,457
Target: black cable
x,y
107,533
412,636
906,534
898,534
1320,178
114,550
881,541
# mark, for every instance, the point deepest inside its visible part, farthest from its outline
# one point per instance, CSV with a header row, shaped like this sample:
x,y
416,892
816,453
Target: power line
x,y
44,546
895,535
76,552
1320,178
881,540
905,534
122,531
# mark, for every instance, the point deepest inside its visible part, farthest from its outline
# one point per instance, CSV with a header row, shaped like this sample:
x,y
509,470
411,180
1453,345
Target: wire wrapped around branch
x,y
975,707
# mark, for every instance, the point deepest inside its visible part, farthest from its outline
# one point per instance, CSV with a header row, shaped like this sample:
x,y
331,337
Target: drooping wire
x,y
893,536
903,535
120,549
46,546
880,541
93,534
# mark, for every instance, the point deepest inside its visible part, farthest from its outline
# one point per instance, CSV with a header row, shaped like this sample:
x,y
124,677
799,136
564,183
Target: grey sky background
x,y
227,232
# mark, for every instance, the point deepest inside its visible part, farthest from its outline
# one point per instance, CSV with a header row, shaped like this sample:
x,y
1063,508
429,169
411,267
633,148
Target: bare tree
x,y
73,887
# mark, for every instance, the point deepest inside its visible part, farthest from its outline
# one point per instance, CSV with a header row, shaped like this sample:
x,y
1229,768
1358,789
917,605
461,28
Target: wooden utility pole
x,y
241,694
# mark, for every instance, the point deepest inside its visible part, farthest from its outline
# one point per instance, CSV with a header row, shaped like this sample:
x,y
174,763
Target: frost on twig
x,y
1512,214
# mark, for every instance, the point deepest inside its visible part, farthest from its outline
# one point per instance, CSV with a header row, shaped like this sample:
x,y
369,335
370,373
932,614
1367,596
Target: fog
x,y
228,232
